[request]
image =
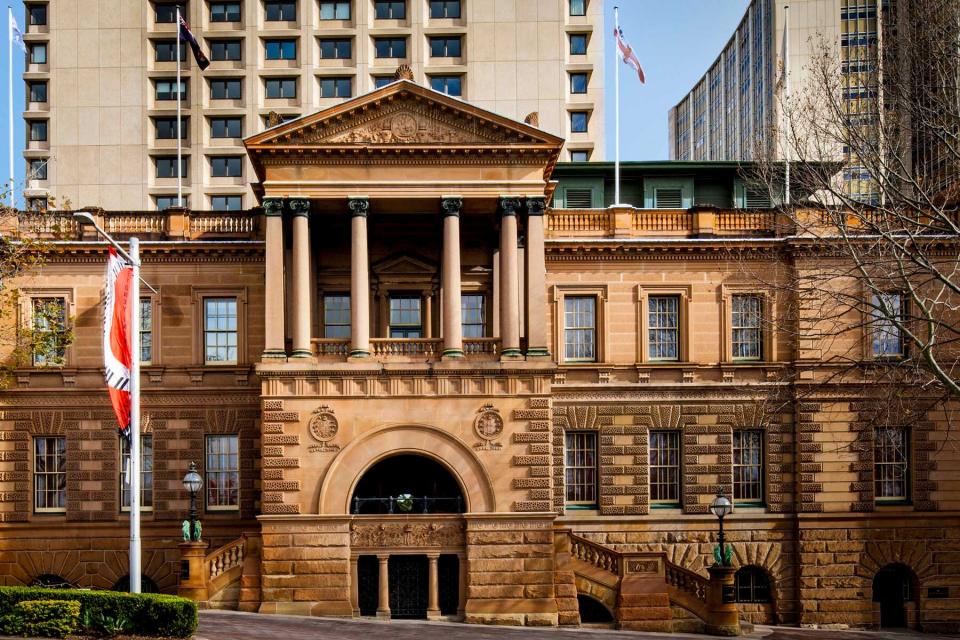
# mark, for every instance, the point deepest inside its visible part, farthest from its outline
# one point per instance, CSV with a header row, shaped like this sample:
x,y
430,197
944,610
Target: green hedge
x,y
113,612
44,618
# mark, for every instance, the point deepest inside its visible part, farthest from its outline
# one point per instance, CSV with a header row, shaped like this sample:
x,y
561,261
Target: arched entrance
x,y
894,590
407,483
592,611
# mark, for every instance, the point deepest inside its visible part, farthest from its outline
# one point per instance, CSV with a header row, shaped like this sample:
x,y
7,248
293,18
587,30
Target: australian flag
x,y
187,36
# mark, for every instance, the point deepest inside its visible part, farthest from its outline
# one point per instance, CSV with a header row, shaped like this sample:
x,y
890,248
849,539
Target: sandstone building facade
x,y
435,375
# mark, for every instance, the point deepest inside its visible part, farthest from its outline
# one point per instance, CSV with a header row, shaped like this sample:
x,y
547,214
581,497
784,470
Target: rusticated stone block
x,y
280,508
528,461
281,416
531,483
289,438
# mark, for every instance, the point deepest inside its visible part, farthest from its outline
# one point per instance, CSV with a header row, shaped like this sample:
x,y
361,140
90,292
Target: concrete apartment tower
x,y
101,89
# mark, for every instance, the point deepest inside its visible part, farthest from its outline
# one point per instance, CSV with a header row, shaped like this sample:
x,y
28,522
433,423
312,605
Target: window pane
x,y
336,316
578,7
887,312
579,328
663,327
664,451
748,472
223,472
578,121
220,330
891,463
146,472
50,473
473,315
444,9
578,83
746,318
580,457
48,337
578,44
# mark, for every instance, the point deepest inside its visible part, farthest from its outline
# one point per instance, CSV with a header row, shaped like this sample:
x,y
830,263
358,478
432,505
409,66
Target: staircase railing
x,y
596,554
687,581
227,557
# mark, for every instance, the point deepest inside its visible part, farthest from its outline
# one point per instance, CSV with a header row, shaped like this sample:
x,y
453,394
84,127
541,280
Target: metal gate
x,y
368,585
408,586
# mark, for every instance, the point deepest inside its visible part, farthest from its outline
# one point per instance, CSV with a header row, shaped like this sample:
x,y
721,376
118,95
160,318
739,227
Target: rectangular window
x,y
578,121
226,50
38,131
578,7
336,87
167,13
220,330
578,83
580,328
390,47
166,51
448,47
891,470
887,315
333,49
280,11
405,318
226,167
390,9
165,202
444,9
166,128
339,10
579,156
167,90
473,315
48,320
49,473
38,91
663,327
748,466
226,127
281,49
223,473
382,81
225,12
580,457
146,330
450,85
665,468
38,169
746,317
226,203
146,473
36,15
336,316
167,166
281,87
578,44
228,89
38,53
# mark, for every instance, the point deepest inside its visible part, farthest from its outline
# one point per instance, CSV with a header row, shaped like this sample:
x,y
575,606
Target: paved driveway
x,y
229,625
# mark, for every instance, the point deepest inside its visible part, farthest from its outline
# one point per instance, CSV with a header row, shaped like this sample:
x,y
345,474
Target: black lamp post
x,y
721,507
192,482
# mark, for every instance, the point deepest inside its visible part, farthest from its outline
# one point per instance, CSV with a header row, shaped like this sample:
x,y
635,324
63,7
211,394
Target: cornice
x,y
247,251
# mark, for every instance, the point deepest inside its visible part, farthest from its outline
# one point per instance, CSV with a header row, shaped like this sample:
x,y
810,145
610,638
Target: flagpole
x,y
13,190
179,100
135,411
616,119
786,87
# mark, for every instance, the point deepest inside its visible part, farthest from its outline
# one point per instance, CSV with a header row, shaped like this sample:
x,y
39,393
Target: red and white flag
x,y
117,358
627,55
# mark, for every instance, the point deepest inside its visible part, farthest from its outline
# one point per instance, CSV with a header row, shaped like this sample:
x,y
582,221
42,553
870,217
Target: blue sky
x,y
675,40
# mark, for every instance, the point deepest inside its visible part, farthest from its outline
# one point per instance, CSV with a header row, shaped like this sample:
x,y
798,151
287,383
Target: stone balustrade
x,y
171,224
631,222
227,557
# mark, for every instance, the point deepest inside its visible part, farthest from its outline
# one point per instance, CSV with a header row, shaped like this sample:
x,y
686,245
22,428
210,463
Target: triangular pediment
x,y
403,114
403,264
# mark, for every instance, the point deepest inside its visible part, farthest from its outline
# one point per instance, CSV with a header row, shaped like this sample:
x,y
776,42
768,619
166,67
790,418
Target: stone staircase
x,y
643,590
232,575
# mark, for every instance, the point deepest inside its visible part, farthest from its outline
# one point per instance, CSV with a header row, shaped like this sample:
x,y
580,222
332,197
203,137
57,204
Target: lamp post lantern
x,y
721,507
192,482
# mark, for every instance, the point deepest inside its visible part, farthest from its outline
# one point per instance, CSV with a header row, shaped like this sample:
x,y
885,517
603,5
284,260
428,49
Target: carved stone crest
x,y
323,427
404,126
488,425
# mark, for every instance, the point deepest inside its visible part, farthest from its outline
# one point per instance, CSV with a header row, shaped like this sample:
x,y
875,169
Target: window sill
x,y
893,503
676,506
591,509
749,505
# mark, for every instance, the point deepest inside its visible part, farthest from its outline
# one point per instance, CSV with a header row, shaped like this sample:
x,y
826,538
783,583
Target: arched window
x,y
752,584
50,581
407,484
146,585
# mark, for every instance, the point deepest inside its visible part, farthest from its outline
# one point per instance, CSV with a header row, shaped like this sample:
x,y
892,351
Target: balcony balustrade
x,y
405,349
630,222
173,224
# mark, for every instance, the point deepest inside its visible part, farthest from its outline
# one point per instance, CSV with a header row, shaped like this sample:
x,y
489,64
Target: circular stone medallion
x,y
488,425
404,126
324,426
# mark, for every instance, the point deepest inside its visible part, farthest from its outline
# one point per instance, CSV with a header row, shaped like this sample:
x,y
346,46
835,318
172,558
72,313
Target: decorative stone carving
x,y
536,206
533,119
451,206
273,119
403,72
407,534
410,125
488,425
509,206
359,206
300,207
323,428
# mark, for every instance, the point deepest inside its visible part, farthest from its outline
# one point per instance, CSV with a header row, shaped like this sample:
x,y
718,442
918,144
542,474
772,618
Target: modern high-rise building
x,y
101,83
734,112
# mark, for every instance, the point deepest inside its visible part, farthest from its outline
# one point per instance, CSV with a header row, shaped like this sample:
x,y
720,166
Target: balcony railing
x,y
172,224
406,348
631,222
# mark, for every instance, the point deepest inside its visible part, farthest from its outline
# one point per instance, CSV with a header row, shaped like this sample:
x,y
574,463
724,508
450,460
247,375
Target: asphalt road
x,y
230,625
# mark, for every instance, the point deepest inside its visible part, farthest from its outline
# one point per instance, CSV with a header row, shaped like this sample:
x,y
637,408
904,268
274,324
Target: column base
x,y
274,354
511,352
538,352
452,354
359,353
383,615
434,614
301,353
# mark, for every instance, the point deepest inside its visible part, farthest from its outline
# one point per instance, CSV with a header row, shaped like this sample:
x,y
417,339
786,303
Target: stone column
x,y
383,603
300,209
450,279
359,281
433,588
355,586
536,281
274,338
509,282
